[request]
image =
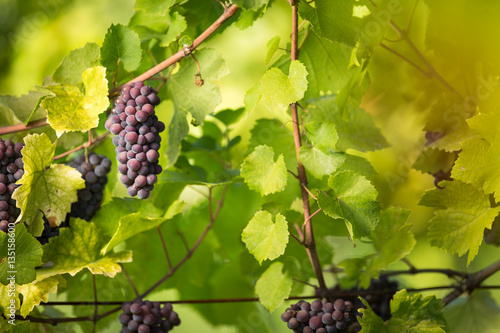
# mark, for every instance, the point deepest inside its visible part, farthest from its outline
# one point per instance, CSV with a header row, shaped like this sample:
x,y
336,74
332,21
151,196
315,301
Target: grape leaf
x,y
18,259
121,45
476,312
273,287
357,131
229,116
323,135
320,163
176,27
33,294
177,130
252,97
409,314
199,101
250,4
272,47
48,187
154,6
108,217
479,162
261,173
132,224
75,63
279,90
71,110
265,239
353,200
25,108
78,247
19,327
334,20
392,240
464,213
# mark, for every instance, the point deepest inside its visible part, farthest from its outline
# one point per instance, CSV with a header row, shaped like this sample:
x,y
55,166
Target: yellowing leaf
x,y
71,110
48,187
78,247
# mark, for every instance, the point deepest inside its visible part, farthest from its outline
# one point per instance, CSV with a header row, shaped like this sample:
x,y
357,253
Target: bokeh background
x,y
35,35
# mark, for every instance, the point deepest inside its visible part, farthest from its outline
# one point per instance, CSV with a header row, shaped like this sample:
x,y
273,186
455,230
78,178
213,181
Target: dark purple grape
x,y
315,322
339,305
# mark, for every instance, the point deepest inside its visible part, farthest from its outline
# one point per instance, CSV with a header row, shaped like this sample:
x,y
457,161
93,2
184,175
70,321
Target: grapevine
x,y
251,166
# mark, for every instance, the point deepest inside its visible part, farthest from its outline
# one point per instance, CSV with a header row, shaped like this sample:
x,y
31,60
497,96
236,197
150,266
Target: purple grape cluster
x,y
148,317
137,137
95,172
319,316
11,170
49,231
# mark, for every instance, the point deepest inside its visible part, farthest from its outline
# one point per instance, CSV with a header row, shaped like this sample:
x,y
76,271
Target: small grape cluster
x,y
319,316
49,231
137,137
11,170
95,172
148,317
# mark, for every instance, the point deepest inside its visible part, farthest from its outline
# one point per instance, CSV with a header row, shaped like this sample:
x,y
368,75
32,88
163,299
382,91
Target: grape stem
x,y
473,282
84,145
164,248
228,13
130,280
309,241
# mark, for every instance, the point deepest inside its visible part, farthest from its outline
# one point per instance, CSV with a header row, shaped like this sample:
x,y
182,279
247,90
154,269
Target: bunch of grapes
x,y
383,290
137,137
11,170
49,231
319,316
95,172
145,317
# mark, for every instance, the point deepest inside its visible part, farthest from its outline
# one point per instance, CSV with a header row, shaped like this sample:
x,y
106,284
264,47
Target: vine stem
x,y
84,145
309,234
21,127
96,306
228,13
473,282
213,217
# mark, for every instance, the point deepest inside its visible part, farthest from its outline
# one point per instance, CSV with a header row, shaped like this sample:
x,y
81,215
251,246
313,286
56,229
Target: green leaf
x,y
48,187
357,131
71,110
334,20
177,130
261,173
412,314
22,108
265,239
229,116
252,97
78,247
392,240
354,201
121,45
479,162
279,90
135,223
464,213
323,135
476,312
273,287
176,27
154,6
19,258
75,63
250,4
272,47
320,163
199,101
